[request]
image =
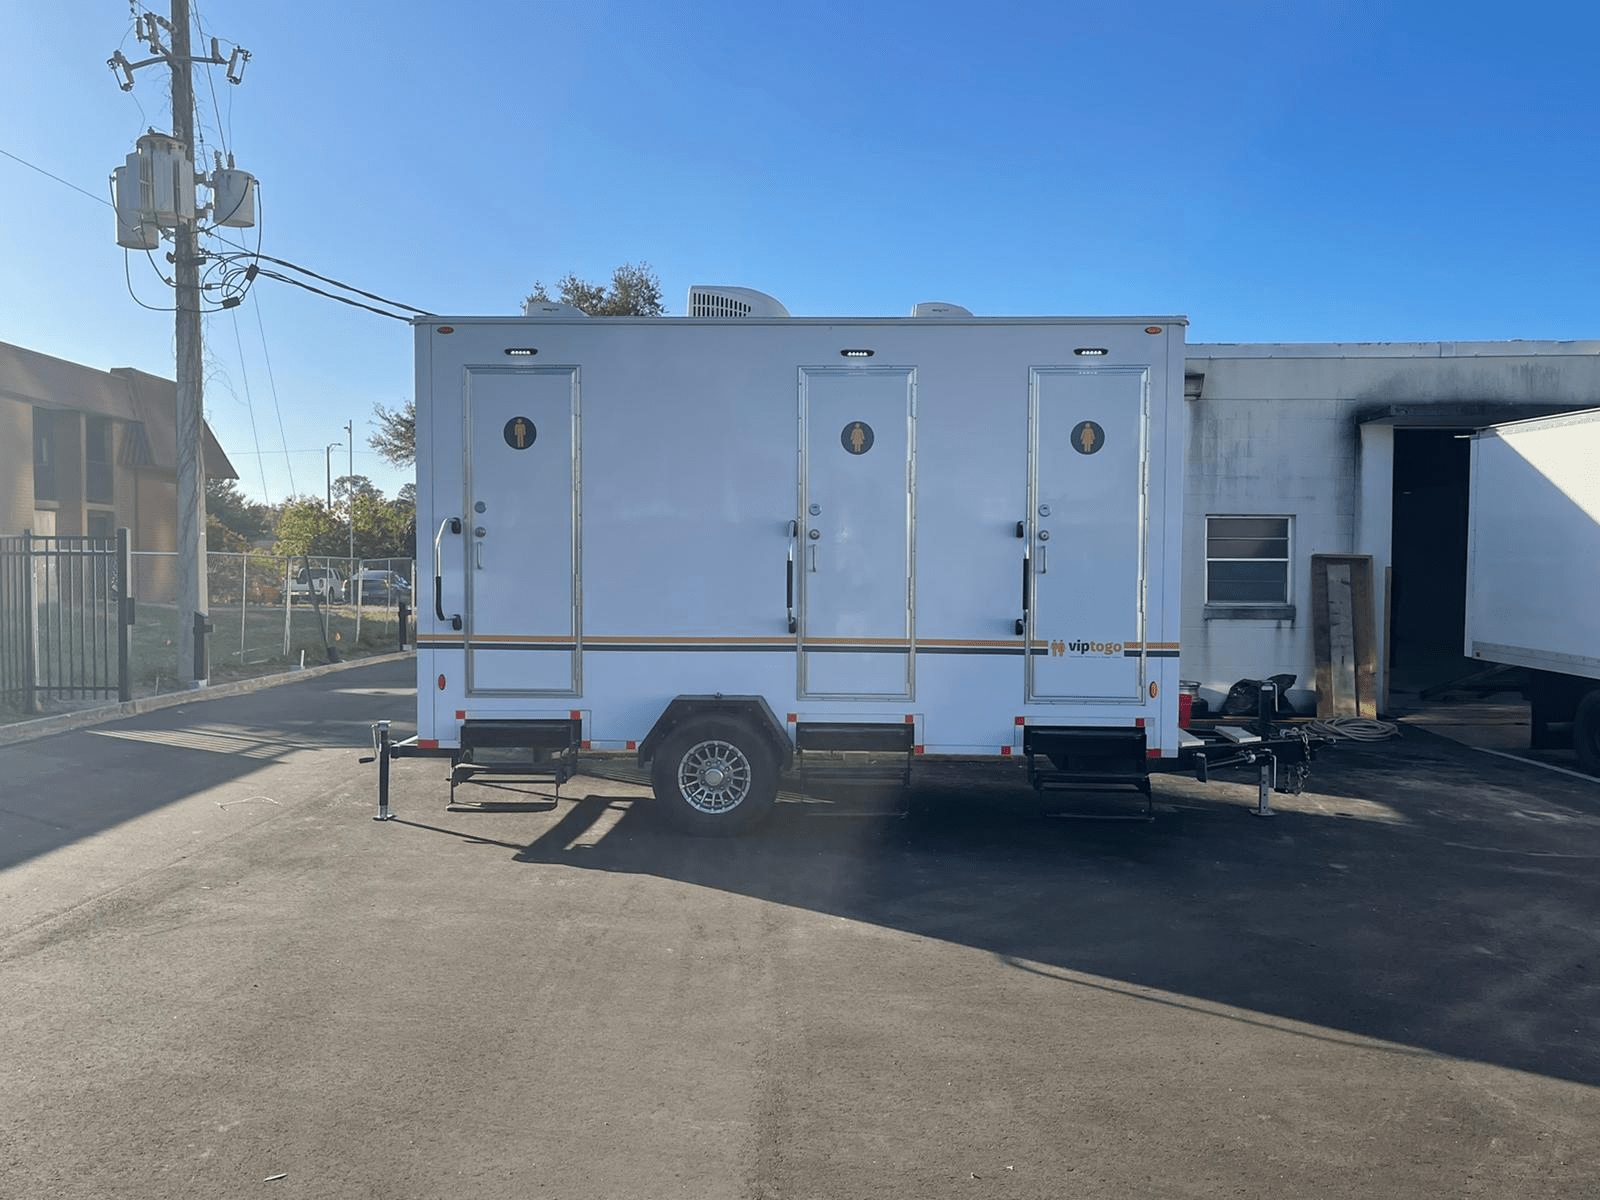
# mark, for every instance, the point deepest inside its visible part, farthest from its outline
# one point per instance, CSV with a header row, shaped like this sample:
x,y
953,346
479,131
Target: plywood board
x,y
1343,626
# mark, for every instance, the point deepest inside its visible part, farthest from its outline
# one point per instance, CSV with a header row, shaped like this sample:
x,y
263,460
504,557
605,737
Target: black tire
x,y
1586,732
715,776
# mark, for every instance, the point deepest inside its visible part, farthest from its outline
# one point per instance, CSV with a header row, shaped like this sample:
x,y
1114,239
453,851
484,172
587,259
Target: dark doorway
x,y
1432,470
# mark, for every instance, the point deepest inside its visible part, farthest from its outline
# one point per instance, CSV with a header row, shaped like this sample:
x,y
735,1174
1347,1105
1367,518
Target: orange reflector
x,y
428,743
1155,689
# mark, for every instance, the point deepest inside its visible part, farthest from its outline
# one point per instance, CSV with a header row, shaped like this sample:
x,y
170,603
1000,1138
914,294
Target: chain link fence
x,y
269,613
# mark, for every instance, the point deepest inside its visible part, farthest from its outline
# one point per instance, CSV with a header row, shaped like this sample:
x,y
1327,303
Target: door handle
x,y
453,524
789,589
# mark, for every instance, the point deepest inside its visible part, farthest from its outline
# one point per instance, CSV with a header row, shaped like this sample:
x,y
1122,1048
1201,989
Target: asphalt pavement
x,y
220,977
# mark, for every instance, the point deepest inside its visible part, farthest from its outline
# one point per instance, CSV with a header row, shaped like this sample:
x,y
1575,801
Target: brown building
x,y
84,451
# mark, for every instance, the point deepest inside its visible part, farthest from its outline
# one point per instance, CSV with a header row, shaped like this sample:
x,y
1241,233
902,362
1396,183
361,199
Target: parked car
x,y
382,587
321,583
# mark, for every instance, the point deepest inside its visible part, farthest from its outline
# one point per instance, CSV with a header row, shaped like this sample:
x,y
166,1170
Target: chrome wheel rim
x,y
714,776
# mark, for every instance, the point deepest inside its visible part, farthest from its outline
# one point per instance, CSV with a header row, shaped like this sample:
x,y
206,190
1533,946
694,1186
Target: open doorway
x,y
1432,472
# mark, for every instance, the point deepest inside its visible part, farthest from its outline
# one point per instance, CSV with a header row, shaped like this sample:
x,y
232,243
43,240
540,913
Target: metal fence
x,y
269,612
62,636
84,621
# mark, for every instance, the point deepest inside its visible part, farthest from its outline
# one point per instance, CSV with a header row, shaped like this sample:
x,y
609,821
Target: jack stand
x,y
380,751
1264,785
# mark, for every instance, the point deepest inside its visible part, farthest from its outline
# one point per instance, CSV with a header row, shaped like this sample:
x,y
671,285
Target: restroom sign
x,y
856,437
520,433
1087,437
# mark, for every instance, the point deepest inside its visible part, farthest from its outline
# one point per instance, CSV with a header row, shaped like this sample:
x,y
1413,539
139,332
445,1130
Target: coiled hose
x,y
1354,729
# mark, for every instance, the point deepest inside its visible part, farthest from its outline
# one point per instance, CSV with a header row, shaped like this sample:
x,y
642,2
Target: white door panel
x,y
855,532
1086,526
522,530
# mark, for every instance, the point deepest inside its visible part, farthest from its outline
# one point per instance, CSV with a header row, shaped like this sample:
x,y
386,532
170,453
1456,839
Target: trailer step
x,y
500,754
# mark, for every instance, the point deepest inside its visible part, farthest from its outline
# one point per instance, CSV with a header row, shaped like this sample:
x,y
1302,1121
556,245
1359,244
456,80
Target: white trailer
x,y
1533,568
741,542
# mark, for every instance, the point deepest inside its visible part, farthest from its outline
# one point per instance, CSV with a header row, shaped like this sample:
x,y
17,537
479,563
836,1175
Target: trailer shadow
x,y
1418,894
73,785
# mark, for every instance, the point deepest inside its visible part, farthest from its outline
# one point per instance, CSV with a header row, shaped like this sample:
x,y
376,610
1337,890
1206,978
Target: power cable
x,y
250,408
283,438
57,178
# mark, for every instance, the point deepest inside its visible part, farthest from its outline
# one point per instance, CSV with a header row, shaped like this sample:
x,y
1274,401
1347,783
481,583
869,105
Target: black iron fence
x,y
63,627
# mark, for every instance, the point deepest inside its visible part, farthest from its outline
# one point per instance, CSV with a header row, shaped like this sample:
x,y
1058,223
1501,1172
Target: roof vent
x,y
732,302
551,308
938,308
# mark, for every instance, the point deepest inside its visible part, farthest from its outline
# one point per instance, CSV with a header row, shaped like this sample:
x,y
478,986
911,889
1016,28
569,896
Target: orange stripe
x,y
523,638
973,643
687,641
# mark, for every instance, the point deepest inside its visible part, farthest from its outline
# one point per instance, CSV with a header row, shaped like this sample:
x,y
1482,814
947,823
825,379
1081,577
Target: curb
x,y
40,727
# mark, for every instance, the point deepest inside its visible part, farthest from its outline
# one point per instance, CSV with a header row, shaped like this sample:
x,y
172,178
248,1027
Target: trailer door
x,y
522,531
1087,494
855,534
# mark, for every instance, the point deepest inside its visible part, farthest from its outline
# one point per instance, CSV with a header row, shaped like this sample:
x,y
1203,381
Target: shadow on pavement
x,y
73,785
1419,893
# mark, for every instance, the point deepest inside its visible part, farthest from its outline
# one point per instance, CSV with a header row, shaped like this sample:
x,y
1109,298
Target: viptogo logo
x,y
1084,649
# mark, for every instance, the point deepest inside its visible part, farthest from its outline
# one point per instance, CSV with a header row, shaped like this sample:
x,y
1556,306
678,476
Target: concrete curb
x,y
40,727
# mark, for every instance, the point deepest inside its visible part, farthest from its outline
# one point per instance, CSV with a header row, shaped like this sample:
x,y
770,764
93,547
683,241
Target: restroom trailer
x,y
741,543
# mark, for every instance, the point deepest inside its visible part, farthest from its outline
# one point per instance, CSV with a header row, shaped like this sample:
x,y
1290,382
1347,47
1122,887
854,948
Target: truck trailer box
x,y
725,542
1533,565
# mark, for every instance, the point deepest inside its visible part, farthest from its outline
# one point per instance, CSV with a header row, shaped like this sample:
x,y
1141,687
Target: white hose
x,y
1354,729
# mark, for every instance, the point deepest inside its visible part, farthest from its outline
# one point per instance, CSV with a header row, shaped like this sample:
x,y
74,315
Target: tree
x,y
635,292
245,518
346,485
307,527
396,438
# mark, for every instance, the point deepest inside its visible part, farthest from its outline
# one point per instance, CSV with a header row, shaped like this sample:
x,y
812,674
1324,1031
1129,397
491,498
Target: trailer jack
x,y
1292,752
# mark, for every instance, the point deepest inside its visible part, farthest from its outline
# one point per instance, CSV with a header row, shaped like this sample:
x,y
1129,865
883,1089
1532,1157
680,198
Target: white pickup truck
x,y
323,584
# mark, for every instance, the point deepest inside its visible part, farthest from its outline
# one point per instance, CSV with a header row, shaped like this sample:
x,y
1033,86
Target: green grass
x,y
261,652
154,645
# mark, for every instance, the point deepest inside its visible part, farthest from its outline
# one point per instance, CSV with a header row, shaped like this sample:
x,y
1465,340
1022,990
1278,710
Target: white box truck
x,y
739,542
1533,568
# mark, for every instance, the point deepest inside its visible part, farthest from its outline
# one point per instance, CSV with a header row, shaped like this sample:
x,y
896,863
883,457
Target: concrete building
x,y
84,451
1345,449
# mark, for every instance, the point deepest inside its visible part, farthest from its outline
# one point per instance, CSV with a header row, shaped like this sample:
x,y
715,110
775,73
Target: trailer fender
x,y
753,710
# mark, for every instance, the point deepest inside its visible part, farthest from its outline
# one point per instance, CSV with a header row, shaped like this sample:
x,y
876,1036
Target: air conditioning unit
x,y
938,308
707,301
551,308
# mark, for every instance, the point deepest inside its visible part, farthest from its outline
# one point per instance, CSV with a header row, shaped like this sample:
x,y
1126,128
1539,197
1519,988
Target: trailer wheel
x,y
1586,732
715,776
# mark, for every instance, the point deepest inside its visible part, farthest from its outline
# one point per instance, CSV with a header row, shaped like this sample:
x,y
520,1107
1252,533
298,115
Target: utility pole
x,y
193,593
350,496
155,192
327,467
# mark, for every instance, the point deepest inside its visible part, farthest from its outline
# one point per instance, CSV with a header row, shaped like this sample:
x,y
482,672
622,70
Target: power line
x,y
283,438
57,178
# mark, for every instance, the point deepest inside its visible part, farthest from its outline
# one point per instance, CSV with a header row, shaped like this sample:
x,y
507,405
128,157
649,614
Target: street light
x,y
327,465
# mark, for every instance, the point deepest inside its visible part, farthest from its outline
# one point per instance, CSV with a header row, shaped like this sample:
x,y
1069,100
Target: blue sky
x,y
1277,171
